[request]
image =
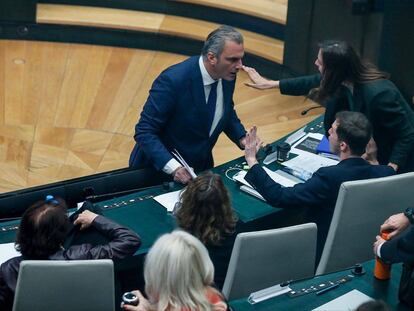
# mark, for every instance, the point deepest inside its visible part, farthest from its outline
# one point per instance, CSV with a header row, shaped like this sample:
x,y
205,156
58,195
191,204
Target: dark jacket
x,y
175,117
400,248
319,193
123,242
381,102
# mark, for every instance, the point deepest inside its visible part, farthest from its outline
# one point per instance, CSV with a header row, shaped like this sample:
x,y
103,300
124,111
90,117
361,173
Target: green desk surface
x,y
367,284
150,220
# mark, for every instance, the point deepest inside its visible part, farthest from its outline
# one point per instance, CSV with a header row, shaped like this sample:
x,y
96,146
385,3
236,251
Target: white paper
x,y
348,302
169,199
309,162
7,251
277,176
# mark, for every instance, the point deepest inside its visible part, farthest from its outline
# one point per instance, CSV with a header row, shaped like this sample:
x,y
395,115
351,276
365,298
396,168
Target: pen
x,y
327,289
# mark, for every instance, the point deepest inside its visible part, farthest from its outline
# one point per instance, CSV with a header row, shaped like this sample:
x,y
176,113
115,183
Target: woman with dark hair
x,y
346,82
42,232
207,214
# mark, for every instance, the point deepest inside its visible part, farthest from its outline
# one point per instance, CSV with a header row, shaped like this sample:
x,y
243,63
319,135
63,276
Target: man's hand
x,y
85,219
377,243
253,144
242,142
394,166
395,224
257,81
181,175
370,154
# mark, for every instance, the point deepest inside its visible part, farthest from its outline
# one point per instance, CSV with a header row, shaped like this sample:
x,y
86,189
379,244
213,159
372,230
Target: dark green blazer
x,y
391,116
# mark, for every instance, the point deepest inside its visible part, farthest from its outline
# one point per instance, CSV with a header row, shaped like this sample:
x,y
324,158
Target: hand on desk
x,y
253,144
181,175
85,219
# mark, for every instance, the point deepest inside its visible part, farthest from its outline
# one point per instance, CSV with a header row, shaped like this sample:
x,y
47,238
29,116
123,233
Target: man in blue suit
x,y
348,137
189,105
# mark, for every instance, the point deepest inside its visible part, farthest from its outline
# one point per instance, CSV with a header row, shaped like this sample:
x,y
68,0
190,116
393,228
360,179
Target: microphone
x,y
304,112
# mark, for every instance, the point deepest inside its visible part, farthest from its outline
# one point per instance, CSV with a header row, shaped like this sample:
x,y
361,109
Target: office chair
x,y
264,258
58,285
362,206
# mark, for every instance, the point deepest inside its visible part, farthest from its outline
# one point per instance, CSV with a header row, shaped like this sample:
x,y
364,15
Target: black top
x,y
382,103
123,242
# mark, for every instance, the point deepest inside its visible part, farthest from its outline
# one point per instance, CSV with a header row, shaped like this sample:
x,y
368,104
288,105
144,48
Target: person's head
x,y
223,52
338,63
206,210
177,272
43,229
350,133
374,305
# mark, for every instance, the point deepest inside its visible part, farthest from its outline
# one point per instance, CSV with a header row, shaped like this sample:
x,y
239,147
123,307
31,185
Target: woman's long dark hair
x,y
206,210
342,64
43,229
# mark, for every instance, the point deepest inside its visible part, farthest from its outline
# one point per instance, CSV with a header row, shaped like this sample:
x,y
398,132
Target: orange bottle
x,y
382,270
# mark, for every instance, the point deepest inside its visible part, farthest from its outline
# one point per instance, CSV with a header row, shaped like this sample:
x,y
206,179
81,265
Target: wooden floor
x,y
69,110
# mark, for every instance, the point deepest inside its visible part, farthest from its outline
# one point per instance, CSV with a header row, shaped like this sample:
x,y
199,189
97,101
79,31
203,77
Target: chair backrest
x,y
81,285
264,258
362,206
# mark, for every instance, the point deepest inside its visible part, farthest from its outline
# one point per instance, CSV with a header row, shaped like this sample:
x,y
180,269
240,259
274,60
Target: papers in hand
x,y
180,159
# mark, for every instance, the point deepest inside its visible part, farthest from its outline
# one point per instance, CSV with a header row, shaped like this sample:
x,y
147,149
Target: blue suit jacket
x,y
319,192
400,248
175,117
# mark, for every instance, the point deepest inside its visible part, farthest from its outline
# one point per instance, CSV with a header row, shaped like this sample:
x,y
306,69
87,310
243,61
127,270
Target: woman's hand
x,y
143,304
253,144
257,81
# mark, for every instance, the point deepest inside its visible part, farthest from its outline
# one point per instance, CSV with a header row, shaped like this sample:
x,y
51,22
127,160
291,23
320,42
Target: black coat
x,y
400,248
122,242
381,102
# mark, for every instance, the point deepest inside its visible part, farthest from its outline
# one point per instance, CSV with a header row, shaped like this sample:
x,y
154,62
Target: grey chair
x,y
81,285
264,258
362,206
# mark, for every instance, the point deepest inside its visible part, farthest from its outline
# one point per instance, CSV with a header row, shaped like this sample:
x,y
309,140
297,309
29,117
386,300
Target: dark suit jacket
x,y
319,192
175,117
391,116
122,242
400,248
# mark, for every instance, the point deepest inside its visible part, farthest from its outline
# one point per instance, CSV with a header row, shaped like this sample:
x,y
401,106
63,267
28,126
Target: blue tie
x,y
211,103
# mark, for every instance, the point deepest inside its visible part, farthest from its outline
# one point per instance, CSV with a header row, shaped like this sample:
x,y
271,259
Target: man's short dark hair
x,y
354,129
43,229
216,39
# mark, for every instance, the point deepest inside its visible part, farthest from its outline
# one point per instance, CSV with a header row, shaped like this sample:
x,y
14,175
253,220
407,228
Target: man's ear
x,y
343,146
211,58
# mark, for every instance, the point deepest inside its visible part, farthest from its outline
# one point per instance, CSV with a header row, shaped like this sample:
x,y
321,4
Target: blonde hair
x,y
177,272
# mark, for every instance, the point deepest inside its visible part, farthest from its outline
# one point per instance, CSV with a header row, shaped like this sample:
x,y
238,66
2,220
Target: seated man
x,y
189,105
42,232
348,137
